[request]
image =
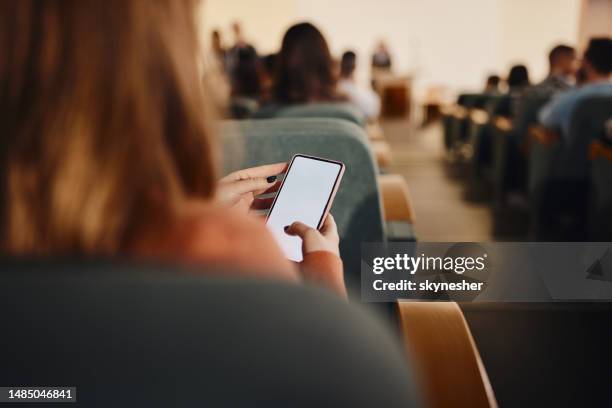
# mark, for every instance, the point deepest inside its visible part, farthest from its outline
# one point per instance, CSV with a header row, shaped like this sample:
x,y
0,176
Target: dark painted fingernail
x,y
286,228
271,179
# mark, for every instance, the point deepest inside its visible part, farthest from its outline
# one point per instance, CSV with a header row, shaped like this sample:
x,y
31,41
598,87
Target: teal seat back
x,y
586,125
559,175
568,159
542,161
357,206
145,335
337,110
527,114
543,189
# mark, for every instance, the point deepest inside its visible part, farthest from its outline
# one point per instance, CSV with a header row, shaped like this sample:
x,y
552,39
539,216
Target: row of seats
x,y
514,163
566,186
271,139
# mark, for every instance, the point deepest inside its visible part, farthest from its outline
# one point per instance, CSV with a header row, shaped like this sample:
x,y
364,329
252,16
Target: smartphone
x,y
306,195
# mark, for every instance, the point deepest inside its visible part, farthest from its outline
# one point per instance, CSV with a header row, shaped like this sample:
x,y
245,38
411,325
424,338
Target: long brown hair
x,y
304,67
101,121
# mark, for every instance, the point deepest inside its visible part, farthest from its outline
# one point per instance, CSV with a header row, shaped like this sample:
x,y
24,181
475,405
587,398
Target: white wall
x,y
596,20
447,42
530,28
263,21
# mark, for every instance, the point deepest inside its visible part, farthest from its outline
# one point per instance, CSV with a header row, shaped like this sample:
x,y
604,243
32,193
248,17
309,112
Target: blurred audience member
x,y
365,99
268,70
99,163
304,68
492,86
561,76
518,79
562,71
381,57
240,44
246,84
246,78
597,66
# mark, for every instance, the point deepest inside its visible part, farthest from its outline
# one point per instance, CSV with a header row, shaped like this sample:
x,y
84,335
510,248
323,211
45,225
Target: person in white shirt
x,y
365,99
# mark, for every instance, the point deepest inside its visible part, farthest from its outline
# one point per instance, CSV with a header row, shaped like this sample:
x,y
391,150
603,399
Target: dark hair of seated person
x,y
304,68
246,77
558,52
268,64
599,55
492,83
518,77
348,64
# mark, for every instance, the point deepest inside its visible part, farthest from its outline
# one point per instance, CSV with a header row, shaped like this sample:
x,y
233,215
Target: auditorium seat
x,y
457,376
382,153
480,135
559,174
545,197
127,334
339,110
527,114
600,207
505,159
399,212
456,119
509,148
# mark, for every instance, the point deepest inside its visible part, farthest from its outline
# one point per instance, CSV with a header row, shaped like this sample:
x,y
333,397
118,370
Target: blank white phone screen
x,y
303,197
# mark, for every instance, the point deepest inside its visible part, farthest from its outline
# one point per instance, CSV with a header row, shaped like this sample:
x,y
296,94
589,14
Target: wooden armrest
x,y
374,131
444,355
382,152
479,116
543,135
396,198
598,149
503,123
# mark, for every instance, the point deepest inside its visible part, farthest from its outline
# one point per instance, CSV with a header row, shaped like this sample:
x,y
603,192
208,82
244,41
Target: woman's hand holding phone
x,y
240,188
326,239
320,248
328,274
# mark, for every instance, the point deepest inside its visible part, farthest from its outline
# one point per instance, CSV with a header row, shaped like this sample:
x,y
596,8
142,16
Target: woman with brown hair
x,y
106,150
304,68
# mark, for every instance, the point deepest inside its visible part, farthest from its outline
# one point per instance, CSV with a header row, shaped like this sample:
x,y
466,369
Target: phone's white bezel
x,y
332,195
